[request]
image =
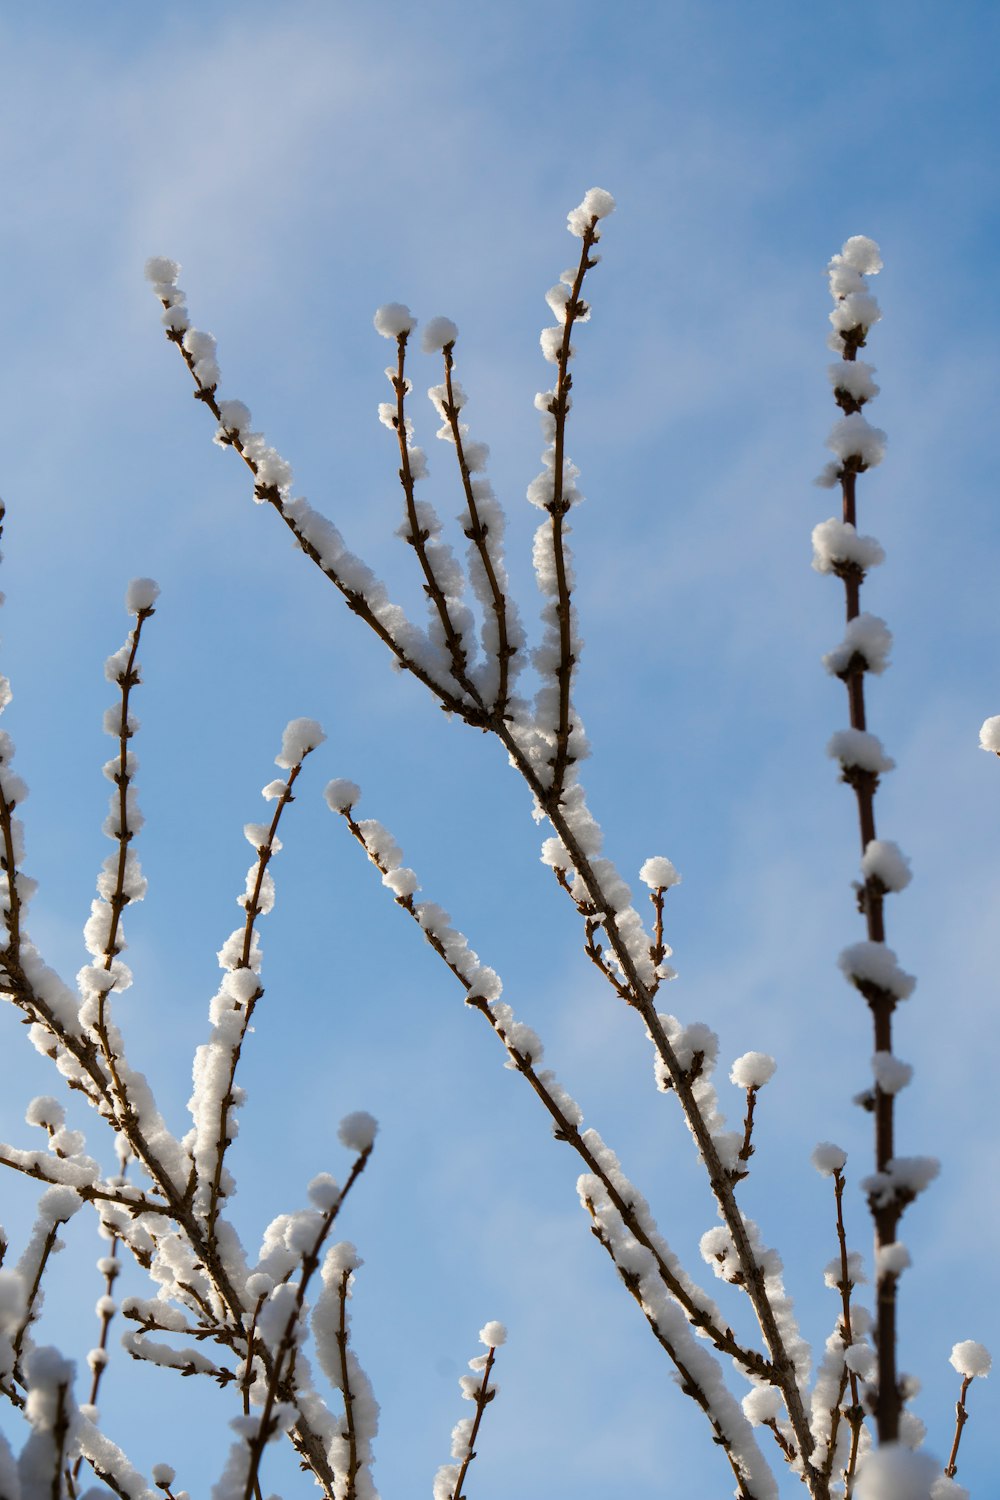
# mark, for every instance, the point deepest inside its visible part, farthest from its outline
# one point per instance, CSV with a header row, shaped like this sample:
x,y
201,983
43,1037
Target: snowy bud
x,y
438,333
597,204
855,438
259,1285
357,1131
163,1475
752,1070
762,1404
393,319
874,964
162,271
836,544
493,1335
324,1192
556,855
828,1158
892,1260
45,1111
235,417
891,1073
970,1358
989,735
659,873
866,637
856,748
854,378
887,863
342,795
141,594
300,736
861,254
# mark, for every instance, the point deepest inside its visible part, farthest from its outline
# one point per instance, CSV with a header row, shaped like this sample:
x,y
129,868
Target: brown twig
x,y
278,1374
886,1215
855,1413
558,507
477,531
689,1383
418,537
484,1395
961,1417
253,911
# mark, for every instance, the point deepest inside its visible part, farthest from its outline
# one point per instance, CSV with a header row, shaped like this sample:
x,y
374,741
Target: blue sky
x,y
306,163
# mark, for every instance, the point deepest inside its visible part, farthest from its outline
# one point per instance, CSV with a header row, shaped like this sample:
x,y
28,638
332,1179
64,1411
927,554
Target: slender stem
x,y
881,1003
557,509
477,533
483,1397
961,1417
689,1382
418,538
253,911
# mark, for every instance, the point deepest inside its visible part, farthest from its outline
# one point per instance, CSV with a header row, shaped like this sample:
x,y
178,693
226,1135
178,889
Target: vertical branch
x,y
485,526
870,966
121,880
450,1478
970,1360
395,322
553,492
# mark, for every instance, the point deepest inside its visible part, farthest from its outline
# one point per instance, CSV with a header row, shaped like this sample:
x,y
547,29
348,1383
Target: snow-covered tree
x,y
256,1325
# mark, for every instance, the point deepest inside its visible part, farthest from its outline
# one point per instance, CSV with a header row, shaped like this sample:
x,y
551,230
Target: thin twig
x,y
961,1417
477,532
482,1398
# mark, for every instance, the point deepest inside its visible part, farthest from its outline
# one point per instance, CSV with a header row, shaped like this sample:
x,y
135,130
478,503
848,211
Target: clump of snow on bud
x,y
902,1180
861,254
885,862
859,749
493,1335
45,1111
342,795
891,1073
762,1404
828,1158
854,378
853,437
659,873
300,736
836,545
393,319
860,1358
971,1359
161,271
142,593
892,1260
874,964
833,1272
752,1070
357,1131
989,735
323,1192
438,333
556,855
259,1285
867,637
597,204
163,1474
